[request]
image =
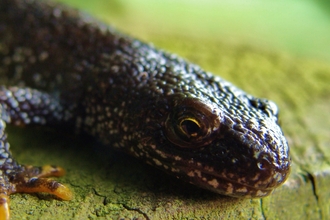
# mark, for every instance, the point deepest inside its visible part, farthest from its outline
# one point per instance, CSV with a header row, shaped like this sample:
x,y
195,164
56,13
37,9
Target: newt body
x,y
64,68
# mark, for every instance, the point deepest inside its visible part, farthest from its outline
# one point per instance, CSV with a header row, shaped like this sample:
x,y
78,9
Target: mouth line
x,y
195,172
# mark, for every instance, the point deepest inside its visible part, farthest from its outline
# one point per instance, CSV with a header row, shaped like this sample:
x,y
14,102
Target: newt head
x,y
232,146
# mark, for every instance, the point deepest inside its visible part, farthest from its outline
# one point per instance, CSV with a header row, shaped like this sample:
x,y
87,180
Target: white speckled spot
x,y
261,193
175,170
242,190
214,183
177,158
191,174
157,162
230,189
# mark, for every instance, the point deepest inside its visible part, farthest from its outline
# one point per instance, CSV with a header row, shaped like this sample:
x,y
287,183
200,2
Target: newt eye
x,y
190,127
191,124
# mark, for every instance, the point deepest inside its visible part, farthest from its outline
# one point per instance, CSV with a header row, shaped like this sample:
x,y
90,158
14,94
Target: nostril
x,y
266,106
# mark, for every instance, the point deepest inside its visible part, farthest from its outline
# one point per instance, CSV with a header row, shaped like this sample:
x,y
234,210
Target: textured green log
x,y
110,185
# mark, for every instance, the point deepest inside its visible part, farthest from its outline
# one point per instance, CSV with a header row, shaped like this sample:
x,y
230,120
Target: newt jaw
x,y
223,184
261,184
250,181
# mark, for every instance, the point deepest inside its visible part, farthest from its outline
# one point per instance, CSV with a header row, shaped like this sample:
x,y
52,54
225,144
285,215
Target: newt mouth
x,y
232,174
234,187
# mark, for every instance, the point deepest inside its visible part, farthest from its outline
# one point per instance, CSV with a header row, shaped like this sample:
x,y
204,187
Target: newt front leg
x,y
16,107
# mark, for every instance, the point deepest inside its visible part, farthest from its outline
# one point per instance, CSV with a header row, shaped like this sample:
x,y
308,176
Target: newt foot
x,y
31,179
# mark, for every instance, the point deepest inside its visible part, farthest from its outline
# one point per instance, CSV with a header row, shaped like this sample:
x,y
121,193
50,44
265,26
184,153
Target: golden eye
x,y
191,124
190,127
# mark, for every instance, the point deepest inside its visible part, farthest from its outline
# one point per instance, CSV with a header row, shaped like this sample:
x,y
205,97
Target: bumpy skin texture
x,y
131,96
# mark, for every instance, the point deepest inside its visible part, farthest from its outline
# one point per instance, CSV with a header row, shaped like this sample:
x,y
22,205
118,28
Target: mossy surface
x,y
111,185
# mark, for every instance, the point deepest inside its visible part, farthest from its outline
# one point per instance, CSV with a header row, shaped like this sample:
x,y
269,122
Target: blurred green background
x,y
298,27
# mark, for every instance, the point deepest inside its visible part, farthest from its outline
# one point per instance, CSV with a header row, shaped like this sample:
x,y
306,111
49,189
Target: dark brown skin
x,y
131,96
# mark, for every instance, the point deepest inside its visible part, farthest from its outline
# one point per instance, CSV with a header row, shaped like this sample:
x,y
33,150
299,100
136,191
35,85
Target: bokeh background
x,y
299,27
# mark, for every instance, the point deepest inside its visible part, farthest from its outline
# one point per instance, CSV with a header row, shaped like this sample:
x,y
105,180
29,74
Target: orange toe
x,y
44,185
4,207
50,170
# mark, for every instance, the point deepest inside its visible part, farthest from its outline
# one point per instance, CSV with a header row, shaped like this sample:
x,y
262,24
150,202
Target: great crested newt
x,y
59,66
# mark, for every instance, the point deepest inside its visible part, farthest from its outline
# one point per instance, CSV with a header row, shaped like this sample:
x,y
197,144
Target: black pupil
x,y
190,127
